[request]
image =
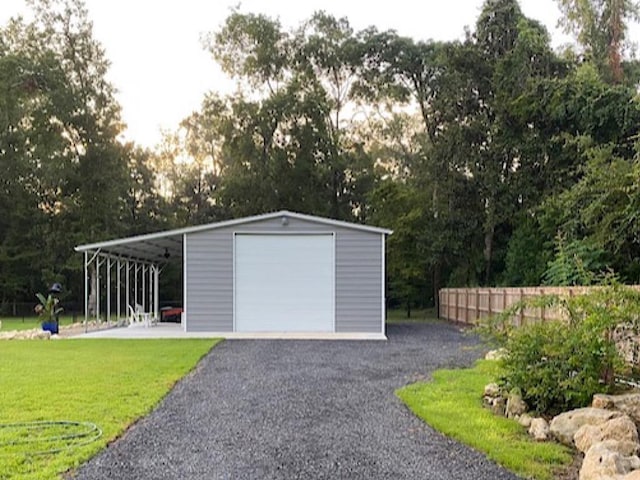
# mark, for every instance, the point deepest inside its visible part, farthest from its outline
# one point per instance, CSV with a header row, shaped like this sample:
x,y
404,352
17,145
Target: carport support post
x,y
126,292
151,306
108,290
118,291
97,288
86,289
135,284
144,289
156,293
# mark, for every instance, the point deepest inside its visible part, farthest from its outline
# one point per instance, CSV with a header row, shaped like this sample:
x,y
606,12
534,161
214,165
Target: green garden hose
x,y
45,437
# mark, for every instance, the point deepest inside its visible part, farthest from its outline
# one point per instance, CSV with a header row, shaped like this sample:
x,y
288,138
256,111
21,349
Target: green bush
x,y
556,367
559,365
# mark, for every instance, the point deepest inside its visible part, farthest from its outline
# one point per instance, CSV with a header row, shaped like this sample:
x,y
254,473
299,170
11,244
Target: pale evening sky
x,y
161,70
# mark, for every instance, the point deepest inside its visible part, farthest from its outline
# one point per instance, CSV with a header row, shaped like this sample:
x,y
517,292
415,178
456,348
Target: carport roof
x,y
155,246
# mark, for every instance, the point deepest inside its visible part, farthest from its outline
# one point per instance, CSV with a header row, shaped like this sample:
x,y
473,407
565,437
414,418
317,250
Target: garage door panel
x,y
284,283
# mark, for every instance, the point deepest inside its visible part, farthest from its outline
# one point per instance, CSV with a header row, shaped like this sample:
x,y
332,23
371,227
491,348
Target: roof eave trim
x,y
229,223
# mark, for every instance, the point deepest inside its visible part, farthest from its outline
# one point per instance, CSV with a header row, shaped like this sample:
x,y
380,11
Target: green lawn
x,y
421,315
13,323
452,404
107,382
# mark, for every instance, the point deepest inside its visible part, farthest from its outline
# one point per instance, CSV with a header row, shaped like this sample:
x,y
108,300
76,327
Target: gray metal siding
x,y
209,290
358,281
209,282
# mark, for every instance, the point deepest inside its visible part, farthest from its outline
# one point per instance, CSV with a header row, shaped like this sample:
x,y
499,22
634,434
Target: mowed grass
x,y
108,382
26,323
421,315
452,404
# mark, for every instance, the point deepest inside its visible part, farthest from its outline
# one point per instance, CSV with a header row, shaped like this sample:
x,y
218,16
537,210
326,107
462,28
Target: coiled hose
x,y
45,437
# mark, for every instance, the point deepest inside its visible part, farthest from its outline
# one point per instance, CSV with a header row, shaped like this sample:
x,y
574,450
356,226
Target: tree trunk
x,y
436,276
488,253
616,27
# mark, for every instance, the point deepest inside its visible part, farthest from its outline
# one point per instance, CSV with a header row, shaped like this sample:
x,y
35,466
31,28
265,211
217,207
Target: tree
x,y
487,75
597,217
69,173
600,27
286,145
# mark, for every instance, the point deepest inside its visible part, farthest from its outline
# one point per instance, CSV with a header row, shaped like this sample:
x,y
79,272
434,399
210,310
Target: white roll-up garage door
x,y
284,283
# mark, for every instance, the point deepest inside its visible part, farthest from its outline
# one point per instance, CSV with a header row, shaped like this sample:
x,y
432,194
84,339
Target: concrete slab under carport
x,y
174,330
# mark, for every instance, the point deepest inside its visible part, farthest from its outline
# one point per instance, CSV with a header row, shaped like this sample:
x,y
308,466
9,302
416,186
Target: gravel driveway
x,y
290,409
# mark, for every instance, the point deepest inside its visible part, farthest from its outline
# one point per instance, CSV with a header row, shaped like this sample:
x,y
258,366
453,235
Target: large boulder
x,y
539,429
564,426
635,475
620,428
628,403
609,460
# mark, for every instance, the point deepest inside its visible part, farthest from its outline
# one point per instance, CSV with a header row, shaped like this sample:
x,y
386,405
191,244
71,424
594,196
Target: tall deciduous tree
x,y
59,138
286,143
600,26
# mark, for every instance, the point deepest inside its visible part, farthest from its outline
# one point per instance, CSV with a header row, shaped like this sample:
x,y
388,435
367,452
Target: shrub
x,y
559,365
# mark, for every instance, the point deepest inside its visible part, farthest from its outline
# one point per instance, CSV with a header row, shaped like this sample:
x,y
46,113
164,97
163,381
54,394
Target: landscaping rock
x,y
525,420
627,341
621,428
498,354
609,460
492,390
498,405
564,426
602,401
628,403
539,429
635,475
515,406
8,335
38,335
33,334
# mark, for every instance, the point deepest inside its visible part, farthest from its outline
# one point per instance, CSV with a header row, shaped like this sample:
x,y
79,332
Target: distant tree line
x,y
496,160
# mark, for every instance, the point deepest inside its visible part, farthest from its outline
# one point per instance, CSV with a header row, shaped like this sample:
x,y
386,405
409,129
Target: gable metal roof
x,y
154,246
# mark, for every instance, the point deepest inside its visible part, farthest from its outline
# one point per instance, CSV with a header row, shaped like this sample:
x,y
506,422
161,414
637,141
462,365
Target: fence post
x,y
504,299
489,306
448,304
477,319
466,306
542,309
456,297
521,309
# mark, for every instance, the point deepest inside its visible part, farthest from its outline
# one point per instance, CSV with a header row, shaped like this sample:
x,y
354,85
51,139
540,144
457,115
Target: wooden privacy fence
x,y
472,305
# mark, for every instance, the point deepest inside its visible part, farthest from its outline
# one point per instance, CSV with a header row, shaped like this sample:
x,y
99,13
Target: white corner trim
x,y
185,316
383,312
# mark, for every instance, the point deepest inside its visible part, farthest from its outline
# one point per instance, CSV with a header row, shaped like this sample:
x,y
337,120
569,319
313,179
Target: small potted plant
x,y
48,311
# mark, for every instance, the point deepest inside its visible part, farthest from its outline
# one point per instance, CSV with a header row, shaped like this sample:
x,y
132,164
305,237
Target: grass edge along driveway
x,y
452,404
111,383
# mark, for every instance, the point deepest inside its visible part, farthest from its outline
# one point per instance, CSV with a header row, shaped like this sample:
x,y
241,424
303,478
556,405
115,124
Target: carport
x,y
281,272
124,273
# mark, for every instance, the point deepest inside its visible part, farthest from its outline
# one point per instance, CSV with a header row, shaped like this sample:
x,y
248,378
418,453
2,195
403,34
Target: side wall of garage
x,y
358,284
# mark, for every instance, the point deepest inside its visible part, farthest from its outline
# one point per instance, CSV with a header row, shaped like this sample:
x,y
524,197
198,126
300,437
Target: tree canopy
x,y
495,159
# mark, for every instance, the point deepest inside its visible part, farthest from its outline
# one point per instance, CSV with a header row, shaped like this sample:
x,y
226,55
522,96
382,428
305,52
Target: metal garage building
x,y
278,272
